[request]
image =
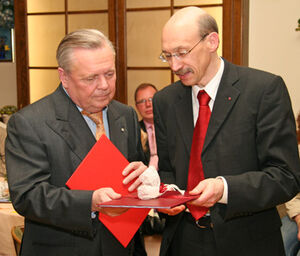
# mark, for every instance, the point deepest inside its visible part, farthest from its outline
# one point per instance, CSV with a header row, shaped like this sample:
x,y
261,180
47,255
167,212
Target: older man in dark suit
x,y
248,157
47,140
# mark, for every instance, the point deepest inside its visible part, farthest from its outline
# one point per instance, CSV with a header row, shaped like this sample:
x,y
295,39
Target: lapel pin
x,y
122,129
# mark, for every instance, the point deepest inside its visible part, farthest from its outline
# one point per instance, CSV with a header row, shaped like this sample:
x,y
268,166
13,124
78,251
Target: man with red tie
x,y
226,133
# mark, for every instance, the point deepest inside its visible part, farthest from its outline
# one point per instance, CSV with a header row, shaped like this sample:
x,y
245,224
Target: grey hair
x,y
207,24
82,38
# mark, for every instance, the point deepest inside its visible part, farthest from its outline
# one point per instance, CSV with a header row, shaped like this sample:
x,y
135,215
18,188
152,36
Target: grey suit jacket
x,y
46,142
250,141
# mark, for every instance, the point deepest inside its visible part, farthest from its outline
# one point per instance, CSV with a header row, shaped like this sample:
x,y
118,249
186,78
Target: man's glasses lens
x,y
143,101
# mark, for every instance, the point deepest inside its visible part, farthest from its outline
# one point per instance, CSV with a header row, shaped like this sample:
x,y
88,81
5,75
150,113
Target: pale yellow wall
x,y
8,87
274,45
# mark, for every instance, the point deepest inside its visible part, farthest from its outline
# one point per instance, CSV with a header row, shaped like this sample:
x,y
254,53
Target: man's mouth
x,y
182,73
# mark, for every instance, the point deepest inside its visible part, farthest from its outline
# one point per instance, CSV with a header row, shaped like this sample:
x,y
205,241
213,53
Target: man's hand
x,y
173,211
210,191
297,220
103,195
132,171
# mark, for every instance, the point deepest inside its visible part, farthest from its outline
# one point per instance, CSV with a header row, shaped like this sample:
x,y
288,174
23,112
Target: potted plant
x,y
7,111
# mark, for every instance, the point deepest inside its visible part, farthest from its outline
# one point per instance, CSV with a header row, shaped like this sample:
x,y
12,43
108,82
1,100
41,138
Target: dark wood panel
x,y
23,95
235,31
121,50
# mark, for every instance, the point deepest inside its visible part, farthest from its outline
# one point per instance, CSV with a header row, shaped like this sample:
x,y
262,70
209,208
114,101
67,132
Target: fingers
x,y
173,211
133,171
210,191
132,166
103,195
112,211
134,185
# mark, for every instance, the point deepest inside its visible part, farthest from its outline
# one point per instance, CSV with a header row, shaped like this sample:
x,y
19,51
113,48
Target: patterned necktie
x,y
196,174
97,118
152,146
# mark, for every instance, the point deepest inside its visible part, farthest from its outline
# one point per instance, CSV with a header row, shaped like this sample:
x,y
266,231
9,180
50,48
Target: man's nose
x,y
102,83
175,64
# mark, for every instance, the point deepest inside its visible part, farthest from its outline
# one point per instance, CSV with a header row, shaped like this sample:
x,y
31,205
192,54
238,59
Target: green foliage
x,y
8,109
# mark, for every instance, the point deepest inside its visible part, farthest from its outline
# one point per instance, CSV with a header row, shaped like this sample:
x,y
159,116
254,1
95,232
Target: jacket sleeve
x,y
36,183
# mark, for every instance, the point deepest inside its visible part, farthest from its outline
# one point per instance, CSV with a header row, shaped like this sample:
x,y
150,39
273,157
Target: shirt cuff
x,y
224,199
93,215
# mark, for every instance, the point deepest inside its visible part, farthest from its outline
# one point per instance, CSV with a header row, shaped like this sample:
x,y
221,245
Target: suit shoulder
x,y
121,107
171,88
171,92
254,73
38,108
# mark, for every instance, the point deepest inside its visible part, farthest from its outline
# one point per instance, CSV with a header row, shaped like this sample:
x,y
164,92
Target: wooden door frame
x,y
21,43
235,42
236,31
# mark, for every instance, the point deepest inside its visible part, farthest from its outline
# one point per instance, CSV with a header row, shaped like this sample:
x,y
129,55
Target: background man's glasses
x,y
143,101
165,56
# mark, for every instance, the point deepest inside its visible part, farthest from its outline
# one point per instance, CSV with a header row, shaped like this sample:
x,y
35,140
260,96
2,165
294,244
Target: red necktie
x,y
196,174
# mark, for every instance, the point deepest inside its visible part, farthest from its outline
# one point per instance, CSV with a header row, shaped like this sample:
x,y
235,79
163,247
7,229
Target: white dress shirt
x,y
211,89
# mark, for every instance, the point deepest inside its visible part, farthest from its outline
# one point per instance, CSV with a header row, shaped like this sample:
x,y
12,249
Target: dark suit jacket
x,y
46,142
250,141
147,151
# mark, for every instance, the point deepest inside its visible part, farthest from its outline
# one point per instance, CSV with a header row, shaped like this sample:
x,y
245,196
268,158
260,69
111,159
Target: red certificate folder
x,y
168,200
102,167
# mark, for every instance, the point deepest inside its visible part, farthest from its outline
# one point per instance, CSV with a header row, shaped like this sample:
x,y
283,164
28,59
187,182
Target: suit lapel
x,y
117,128
70,125
226,97
184,116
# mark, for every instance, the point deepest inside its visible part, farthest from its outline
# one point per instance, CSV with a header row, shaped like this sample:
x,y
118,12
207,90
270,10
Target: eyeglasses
x,y
143,101
165,56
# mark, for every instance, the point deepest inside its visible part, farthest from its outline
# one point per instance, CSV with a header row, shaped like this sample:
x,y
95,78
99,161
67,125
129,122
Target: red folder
x,y
168,200
102,167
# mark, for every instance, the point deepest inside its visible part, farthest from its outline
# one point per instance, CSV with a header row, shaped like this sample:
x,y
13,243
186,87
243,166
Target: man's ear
x,y
214,41
63,77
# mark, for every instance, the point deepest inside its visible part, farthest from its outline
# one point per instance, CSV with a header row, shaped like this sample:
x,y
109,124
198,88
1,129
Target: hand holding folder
x,y
102,167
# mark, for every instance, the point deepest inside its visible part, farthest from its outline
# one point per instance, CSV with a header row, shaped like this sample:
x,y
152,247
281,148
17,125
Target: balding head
x,y
190,42
192,20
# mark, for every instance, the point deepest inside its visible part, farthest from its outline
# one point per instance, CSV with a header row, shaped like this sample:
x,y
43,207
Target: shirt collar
x,y
147,124
212,87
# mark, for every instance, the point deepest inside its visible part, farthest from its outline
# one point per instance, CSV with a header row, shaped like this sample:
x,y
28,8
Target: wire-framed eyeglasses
x,y
166,56
143,101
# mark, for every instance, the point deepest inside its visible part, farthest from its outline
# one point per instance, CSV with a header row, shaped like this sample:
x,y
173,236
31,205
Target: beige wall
x,y
8,87
274,45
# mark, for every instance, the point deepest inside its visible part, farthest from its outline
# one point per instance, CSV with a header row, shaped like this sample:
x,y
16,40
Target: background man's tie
x,y
97,118
152,146
196,174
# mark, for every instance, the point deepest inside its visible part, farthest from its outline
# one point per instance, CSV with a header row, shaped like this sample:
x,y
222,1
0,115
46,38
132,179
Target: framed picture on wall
x,y
6,45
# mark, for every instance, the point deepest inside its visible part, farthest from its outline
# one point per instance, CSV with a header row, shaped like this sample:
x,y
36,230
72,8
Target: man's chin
x,y
185,79
187,82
